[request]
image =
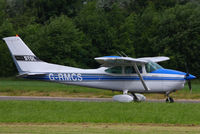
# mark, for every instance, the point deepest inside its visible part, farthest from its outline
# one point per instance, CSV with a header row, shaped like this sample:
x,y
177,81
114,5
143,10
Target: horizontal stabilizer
x,y
30,74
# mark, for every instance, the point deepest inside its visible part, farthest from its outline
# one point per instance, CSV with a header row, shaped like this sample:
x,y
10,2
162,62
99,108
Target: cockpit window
x,y
115,70
131,69
152,66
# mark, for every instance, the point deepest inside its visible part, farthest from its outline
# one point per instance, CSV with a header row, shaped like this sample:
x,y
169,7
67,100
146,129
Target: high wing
x,y
155,59
117,60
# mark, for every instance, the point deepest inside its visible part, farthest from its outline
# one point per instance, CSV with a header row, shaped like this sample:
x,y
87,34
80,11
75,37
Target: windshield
x,y
152,66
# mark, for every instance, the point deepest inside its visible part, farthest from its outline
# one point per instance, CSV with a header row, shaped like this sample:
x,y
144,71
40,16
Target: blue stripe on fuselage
x,y
96,77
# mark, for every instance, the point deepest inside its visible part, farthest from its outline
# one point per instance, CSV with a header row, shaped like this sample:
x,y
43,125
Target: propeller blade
x,y
187,74
189,85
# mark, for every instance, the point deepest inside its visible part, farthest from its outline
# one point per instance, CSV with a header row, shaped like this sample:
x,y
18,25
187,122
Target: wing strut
x,y
141,78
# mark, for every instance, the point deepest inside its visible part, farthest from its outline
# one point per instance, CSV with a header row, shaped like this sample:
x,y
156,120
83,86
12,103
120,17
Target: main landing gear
x,y
135,98
169,99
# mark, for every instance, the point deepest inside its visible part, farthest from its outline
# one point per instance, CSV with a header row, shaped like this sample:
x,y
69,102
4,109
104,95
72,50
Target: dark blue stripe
x,y
109,78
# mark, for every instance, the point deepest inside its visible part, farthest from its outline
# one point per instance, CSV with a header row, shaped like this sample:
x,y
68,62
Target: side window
x,y
115,70
131,69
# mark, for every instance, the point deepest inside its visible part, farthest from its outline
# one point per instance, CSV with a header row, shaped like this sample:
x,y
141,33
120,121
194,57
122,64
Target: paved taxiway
x,y
31,98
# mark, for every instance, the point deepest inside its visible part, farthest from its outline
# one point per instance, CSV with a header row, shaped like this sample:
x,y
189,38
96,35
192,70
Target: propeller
x,y
188,80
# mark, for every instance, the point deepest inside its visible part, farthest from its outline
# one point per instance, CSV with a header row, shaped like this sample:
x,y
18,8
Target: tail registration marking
x,y
26,58
65,76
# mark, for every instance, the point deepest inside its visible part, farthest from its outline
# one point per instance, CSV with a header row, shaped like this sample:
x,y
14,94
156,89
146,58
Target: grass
x,y
91,128
21,87
98,112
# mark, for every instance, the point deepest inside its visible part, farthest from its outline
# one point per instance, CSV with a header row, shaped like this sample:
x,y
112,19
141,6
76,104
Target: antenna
x,y
119,54
124,54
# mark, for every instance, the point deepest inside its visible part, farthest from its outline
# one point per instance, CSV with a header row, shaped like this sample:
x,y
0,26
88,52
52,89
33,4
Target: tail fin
x,y
25,60
20,53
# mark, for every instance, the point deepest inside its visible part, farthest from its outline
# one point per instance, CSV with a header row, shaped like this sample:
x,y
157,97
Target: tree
x,y
106,29
178,36
61,42
45,9
7,66
6,29
126,39
145,27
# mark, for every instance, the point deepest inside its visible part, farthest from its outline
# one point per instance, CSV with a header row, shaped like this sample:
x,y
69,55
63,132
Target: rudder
x,y
20,53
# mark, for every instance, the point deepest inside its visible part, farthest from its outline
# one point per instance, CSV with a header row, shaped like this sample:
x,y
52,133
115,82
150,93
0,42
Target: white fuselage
x,y
98,78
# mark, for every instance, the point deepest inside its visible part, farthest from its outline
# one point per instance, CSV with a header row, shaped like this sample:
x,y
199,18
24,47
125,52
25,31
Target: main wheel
x,y
169,100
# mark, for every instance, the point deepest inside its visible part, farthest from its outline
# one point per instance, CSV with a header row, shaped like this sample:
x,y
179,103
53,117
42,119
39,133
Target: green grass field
x,y
98,112
51,117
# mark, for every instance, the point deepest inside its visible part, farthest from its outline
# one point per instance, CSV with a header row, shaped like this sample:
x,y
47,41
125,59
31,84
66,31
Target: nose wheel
x,y
169,99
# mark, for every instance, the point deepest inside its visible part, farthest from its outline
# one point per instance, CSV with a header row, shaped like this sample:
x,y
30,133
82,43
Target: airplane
x,y
131,76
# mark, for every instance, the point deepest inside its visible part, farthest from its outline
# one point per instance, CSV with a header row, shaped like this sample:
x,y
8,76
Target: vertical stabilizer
x,y
17,46
25,60
20,53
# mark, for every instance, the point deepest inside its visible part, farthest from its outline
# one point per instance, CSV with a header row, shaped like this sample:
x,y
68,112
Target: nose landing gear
x,y
169,99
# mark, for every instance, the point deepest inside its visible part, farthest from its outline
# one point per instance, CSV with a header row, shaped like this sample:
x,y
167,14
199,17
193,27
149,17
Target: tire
x,y
169,100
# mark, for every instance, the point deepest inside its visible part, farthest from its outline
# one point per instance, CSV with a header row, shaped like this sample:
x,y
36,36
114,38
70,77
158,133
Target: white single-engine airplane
x,y
118,73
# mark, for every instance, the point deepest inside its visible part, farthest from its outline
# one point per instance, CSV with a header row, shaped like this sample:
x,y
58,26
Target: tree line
x,y
74,32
